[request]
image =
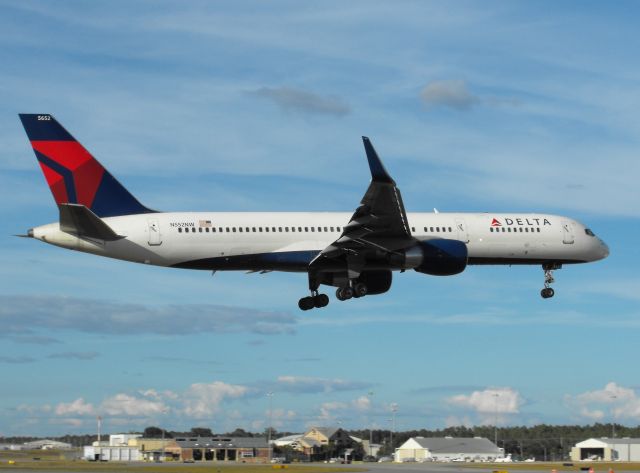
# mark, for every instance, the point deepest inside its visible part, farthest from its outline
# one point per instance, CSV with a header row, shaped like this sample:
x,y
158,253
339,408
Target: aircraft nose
x,y
604,248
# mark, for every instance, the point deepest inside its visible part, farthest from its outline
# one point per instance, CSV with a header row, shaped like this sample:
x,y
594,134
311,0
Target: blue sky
x,y
245,106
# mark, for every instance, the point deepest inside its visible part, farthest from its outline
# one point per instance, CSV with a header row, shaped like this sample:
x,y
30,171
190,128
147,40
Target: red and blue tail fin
x,y
73,174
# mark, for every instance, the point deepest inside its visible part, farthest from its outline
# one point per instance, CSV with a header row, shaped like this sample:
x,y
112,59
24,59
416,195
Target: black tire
x,y
547,292
347,293
321,300
306,303
339,294
360,290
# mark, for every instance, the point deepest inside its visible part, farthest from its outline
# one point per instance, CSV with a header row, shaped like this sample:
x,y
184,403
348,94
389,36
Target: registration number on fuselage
x,y
182,224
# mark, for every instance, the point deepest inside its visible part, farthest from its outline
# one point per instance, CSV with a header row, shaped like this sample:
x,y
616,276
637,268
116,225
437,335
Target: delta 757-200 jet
x,y
356,253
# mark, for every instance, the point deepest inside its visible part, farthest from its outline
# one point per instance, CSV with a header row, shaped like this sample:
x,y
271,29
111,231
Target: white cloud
x,y
125,404
203,400
77,407
290,99
612,401
448,93
309,384
20,314
491,404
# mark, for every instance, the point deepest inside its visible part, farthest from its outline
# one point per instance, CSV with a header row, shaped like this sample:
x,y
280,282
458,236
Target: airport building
x,y
605,449
221,449
447,449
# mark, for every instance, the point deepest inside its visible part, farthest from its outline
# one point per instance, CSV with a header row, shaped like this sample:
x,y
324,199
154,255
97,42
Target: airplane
x,y
354,252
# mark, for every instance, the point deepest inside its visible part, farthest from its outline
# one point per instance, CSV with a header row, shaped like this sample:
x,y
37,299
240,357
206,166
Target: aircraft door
x,y
462,230
155,238
567,233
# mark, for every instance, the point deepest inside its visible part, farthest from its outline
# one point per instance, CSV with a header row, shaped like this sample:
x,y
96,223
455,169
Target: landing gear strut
x,y
548,269
316,300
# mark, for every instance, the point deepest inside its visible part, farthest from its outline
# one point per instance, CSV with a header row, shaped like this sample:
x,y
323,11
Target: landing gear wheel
x,y
360,290
344,293
306,303
547,292
321,300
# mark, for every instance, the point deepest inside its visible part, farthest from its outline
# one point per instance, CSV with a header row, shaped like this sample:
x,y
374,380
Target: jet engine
x,y
437,257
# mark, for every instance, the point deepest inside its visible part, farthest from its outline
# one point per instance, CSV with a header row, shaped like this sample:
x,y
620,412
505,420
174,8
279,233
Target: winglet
x,y
378,172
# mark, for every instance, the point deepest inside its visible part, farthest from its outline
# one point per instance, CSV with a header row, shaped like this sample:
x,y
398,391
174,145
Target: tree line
x,y
543,441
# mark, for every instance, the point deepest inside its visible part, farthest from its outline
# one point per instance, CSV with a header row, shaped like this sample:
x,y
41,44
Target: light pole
x,y
162,454
370,394
613,419
495,427
394,409
270,396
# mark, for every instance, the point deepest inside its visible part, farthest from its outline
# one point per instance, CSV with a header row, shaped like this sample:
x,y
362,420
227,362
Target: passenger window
x,y
332,229
491,229
179,229
240,229
325,229
260,229
504,229
207,229
200,229
193,229
233,229
306,229
313,229
300,229
538,230
273,229
413,229
437,229
286,229
266,229
228,230
450,230
431,228
293,229
520,229
280,229
213,229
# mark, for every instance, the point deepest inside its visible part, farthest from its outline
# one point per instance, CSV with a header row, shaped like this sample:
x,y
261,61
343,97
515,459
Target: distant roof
x,y
326,431
437,445
615,441
222,442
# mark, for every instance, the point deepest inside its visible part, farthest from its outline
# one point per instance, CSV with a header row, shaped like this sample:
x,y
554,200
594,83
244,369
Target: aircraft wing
x,y
379,225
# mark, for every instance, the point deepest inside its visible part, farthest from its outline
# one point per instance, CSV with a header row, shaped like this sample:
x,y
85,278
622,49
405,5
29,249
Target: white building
x,y
122,440
448,449
125,454
624,449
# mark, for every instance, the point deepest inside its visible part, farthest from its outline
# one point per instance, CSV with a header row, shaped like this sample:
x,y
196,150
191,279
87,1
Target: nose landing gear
x,y
548,269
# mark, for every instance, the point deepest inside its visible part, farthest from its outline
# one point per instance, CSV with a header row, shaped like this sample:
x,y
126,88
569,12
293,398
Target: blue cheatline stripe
x,y
66,174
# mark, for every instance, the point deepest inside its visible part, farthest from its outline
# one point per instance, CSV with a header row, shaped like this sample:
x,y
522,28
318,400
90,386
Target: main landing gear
x,y
548,269
315,300
356,290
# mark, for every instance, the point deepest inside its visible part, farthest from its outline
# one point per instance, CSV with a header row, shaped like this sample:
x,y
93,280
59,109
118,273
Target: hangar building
x,y
447,449
624,449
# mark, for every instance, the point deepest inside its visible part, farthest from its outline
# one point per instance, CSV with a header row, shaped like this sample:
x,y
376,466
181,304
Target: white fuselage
x,y
288,241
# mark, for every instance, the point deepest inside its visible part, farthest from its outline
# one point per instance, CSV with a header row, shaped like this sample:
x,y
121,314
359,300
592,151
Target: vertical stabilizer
x,y
73,174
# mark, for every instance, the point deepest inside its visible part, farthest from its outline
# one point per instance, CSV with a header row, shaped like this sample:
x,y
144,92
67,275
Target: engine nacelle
x,y
442,257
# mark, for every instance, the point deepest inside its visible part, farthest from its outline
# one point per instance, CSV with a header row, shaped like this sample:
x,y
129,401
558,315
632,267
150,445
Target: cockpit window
x,y
589,232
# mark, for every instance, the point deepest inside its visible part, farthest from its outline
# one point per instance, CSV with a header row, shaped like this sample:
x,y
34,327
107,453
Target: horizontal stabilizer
x,y
79,220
